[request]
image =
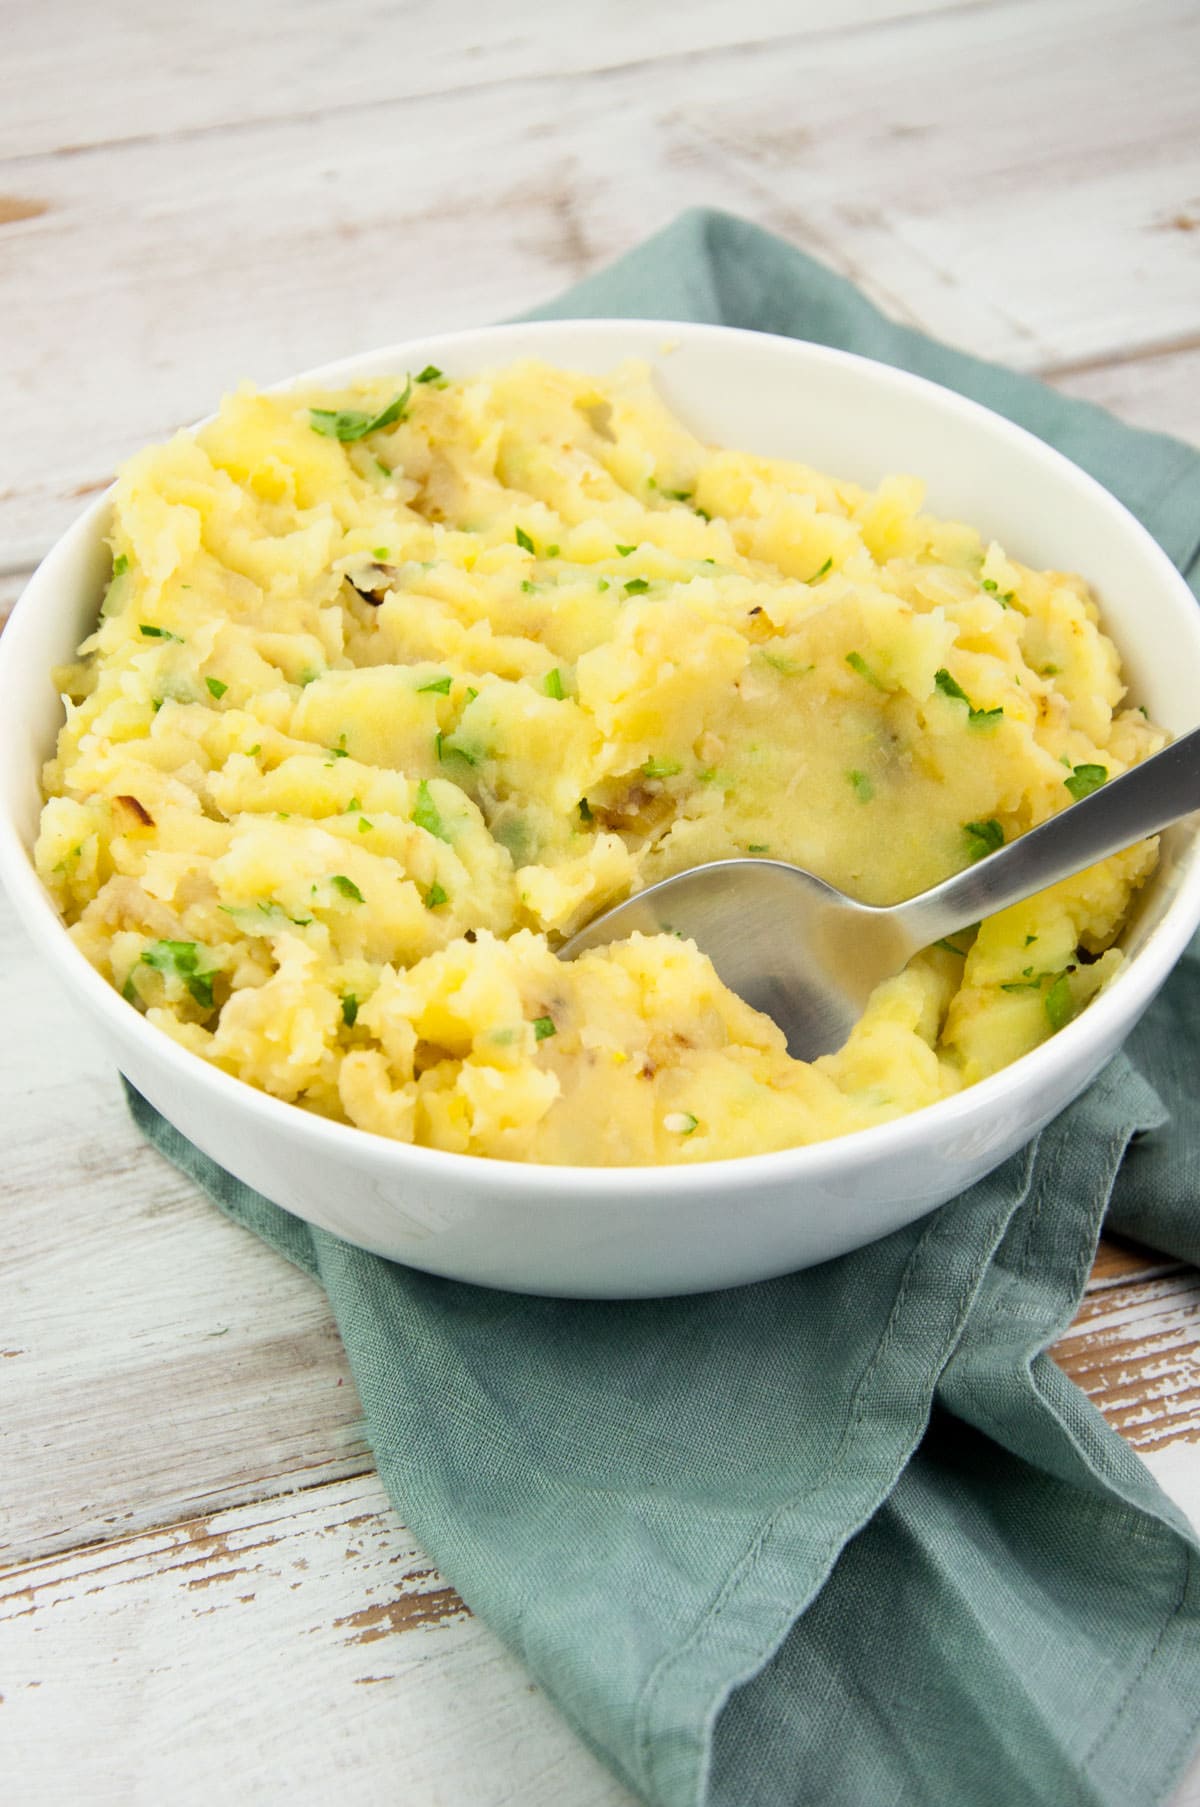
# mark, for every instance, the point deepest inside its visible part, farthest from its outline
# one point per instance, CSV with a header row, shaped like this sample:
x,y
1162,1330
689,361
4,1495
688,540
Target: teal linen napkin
x,y
847,1538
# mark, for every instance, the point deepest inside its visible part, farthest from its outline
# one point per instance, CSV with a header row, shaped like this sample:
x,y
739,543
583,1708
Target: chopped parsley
x,y
637,586
523,540
544,1026
430,374
857,663
439,687
182,960
552,684
348,424
983,837
426,815
864,790
158,633
1085,779
978,718
347,887
216,688
349,1009
435,896
661,768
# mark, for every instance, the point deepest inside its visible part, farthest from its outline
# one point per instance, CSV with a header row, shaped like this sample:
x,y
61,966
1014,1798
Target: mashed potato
x,y
394,690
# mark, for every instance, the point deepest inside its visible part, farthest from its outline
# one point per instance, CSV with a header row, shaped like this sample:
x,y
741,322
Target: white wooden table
x,y
207,1596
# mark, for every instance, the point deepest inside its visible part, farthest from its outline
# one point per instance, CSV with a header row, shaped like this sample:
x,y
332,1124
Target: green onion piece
x,y
1059,1003
951,949
380,552
983,837
216,688
680,1123
543,1026
529,588
948,687
347,887
626,550
348,424
349,1009
120,565
439,686
435,896
661,768
990,584
1022,985
864,790
1085,779
354,803
426,814
552,551
523,540
984,718
857,663
552,684
757,847
430,374
585,812
364,827
637,586
339,752
603,584
817,575
158,633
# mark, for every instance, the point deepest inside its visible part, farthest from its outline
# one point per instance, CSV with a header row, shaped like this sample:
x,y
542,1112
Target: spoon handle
x,y
1148,797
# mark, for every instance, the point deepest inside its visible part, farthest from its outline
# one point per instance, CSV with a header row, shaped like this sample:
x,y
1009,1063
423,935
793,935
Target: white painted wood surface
x,y
205,1595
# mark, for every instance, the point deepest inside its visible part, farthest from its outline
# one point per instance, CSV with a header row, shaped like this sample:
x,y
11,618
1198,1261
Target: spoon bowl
x,y
809,957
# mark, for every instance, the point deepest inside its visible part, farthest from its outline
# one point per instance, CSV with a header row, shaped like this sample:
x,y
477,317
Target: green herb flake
x,y
129,990
552,684
544,1026
983,837
949,687
603,584
530,589
349,1009
757,847
380,552
348,424
678,495
1029,940
430,374
472,693
120,565
435,896
857,663
1085,779
704,516
626,550
637,586
552,551
426,815
661,768
523,540
1022,985
436,686
951,949
1007,599
681,1123
1059,1003
984,718
990,585
347,887
339,752
824,570
216,688
354,803
864,790
158,633
585,812
364,827
182,960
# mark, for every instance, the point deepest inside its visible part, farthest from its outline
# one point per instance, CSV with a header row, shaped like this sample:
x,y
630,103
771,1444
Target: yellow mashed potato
x,y
394,690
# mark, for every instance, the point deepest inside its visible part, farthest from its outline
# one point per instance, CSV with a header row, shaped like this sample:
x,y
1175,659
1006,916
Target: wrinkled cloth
x,y
847,1538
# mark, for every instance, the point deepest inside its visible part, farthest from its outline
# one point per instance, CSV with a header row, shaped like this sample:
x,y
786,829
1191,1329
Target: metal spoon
x,y
809,956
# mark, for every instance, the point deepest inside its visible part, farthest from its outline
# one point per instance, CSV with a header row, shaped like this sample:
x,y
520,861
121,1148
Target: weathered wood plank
x,y
198,260
302,1648
1161,392
1134,1348
183,71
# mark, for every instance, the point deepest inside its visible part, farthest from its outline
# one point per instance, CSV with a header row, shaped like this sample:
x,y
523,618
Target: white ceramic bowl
x,y
635,1231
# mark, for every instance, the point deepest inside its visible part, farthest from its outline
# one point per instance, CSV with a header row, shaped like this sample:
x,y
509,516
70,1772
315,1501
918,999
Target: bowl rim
x,y
1103,1018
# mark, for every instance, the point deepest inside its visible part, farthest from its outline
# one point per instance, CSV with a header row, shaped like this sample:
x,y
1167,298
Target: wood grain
x,y
299,1649
937,170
